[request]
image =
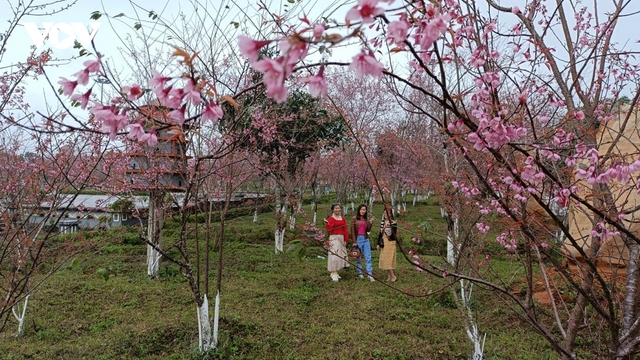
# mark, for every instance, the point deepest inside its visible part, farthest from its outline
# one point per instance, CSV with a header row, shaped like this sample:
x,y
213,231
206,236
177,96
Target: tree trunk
x,y
22,315
629,328
279,238
314,208
471,326
281,214
154,233
205,342
453,225
216,314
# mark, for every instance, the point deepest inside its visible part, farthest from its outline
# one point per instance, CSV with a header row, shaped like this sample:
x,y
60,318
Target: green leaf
x,y
322,48
291,1
104,273
153,15
119,15
235,24
137,26
74,264
95,15
302,253
425,226
76,44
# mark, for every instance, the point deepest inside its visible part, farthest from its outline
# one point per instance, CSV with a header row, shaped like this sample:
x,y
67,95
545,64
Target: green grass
x,y
272,307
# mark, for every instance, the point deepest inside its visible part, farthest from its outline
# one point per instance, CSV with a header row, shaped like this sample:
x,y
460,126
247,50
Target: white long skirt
x,y
337,258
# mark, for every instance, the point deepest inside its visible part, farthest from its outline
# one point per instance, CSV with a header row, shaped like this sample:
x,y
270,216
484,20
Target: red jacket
x,y
337,227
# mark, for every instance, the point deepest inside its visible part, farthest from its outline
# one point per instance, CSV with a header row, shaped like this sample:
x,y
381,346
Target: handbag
x,y
354,253
380,240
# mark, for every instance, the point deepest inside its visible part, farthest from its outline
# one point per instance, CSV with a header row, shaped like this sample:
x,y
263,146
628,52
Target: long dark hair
x,y
388,211
366,214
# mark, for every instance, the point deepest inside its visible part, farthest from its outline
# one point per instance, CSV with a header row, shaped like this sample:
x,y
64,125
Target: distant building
x,y
91,212
162,167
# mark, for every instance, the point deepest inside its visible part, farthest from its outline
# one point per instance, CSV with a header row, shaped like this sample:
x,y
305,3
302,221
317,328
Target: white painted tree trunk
x,y
279,238
452,239
216,317
21,316
353,207
255,215
205,342
415,197
281,215
154,235
471,326
315,211
292,222
404,206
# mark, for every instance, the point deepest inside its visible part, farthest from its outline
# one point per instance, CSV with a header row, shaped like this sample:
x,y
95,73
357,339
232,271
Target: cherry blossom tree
x,y
523,110
53,165
284,136
53,171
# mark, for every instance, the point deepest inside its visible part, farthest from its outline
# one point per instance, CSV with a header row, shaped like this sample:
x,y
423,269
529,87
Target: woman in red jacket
x,y
336,225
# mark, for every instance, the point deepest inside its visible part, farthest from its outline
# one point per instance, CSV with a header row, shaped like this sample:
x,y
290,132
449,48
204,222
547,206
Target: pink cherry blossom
x,y
162,93
135,131
294,49
318,30
92,66
68,86
274,75
191,92
133,92
212,111
177,115
82,98
397,32
83,77
151,138
365,10
250,48
174,99
158,80
317,83
112,122
366,64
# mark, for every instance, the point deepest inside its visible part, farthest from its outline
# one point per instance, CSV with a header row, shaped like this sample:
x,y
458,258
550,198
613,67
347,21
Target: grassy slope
x,y
273,306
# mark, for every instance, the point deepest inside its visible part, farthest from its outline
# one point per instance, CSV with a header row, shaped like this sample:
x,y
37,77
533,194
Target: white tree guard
x,y
22,315
205,342
216,314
